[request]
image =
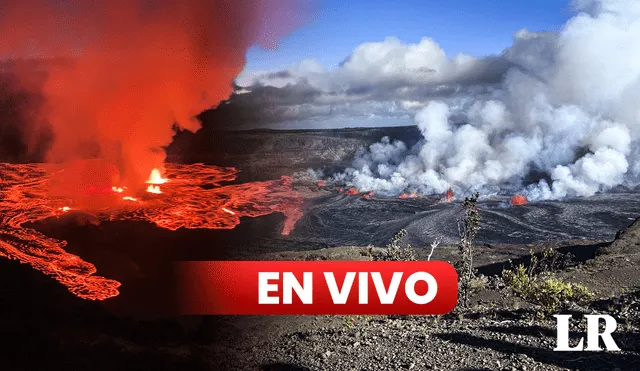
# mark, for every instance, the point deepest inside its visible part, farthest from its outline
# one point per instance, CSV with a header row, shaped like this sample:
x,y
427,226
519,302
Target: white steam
x,y
568,108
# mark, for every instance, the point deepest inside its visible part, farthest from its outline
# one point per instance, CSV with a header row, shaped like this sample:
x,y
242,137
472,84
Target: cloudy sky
x,y
498,92
468,26
377,62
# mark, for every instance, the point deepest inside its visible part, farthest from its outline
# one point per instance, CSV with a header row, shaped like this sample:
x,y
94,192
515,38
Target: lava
x,y
156,178
227,211
410,195
519,199
154,189
195,197
449,195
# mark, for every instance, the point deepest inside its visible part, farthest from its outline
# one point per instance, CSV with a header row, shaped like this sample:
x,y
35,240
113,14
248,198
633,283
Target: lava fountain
x,y
518,200
192,196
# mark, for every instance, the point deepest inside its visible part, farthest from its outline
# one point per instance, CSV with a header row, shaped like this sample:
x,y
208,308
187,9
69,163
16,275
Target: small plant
x,y
550,260
468,227
394,250
549,293
552,294
519,279
478,283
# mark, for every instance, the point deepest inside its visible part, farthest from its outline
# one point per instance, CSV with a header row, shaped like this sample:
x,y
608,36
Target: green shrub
x,y
552,294
549,293
518,279
395,251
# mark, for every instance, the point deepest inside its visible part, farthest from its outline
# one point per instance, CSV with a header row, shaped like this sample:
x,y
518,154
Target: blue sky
x,y
476,27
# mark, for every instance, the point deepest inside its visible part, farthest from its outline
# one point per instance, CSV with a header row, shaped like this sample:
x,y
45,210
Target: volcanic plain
x,y
52,328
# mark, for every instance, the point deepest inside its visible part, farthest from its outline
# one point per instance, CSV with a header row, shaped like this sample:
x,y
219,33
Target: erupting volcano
x,y
193,196
107,85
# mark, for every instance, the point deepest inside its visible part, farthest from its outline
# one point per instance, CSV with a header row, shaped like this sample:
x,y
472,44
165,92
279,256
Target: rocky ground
x,y
499,331
45,327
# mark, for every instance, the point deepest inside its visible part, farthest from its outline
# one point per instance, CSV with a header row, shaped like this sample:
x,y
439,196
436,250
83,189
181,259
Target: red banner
x,y
317,287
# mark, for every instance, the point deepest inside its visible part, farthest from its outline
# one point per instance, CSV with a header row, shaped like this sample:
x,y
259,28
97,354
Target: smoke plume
x,y
564,120
119,75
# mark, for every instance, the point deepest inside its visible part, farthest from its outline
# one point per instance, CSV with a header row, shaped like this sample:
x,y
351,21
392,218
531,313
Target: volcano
x,y
192,196
271,177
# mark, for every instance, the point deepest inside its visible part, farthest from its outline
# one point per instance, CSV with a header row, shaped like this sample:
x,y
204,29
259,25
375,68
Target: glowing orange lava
x,y
449,195
156,178
154,189
411,195
227,210
519,199
193,198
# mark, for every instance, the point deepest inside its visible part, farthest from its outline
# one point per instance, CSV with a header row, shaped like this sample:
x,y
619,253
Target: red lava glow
x,y
411,195
118,75
368,196
193,197
322,184
449,195
352,192
156,177
519,199
154,189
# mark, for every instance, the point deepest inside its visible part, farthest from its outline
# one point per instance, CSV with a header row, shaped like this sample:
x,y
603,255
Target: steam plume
x,y
119,75
567,109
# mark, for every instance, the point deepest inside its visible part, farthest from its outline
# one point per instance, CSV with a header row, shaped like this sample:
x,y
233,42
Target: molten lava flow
x,y
227,211
449,195
154,189
411,195
156,178
193,198
519,199
352,192
368,196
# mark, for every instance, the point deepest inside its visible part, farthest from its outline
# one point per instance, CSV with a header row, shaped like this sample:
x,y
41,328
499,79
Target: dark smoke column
x,y
120,74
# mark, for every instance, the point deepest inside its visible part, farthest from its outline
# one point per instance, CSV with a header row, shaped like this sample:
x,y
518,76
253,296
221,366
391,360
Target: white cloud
x,y
563,104
567,107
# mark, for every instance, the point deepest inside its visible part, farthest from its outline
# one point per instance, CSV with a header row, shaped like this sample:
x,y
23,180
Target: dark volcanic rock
x,y
268,154
627,240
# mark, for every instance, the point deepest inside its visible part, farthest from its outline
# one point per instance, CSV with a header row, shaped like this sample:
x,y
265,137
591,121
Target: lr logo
x,y
593,333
